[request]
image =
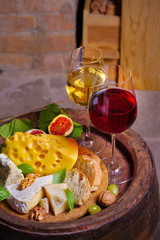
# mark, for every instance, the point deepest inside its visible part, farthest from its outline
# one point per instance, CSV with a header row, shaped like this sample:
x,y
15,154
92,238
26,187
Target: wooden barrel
x,y
134,215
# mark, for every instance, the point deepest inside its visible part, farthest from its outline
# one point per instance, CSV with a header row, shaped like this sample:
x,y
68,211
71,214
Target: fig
x,y
35,131
61,125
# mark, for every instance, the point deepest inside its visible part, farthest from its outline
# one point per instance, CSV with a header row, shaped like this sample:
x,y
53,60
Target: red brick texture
x,y
37,34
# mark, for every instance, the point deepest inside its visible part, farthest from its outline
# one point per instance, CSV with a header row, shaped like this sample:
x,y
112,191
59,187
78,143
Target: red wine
x,y
112,110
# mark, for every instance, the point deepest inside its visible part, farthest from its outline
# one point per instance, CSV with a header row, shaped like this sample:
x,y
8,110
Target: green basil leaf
x,y
78,129
59,176
3,194
46,116
16,125
70,198
26,168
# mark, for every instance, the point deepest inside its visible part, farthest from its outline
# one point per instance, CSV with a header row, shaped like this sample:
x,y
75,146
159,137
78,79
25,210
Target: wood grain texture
x,y
101,31
134,215
140,42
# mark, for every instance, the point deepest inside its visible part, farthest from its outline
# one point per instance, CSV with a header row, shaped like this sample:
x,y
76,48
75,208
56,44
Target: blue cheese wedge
x,y
9,173
24,200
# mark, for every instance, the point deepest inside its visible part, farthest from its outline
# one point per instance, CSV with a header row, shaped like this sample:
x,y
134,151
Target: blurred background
x,y
38,36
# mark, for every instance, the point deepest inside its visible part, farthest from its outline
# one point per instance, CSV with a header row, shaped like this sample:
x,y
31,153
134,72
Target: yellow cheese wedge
x,y
45,153
57,196
44,203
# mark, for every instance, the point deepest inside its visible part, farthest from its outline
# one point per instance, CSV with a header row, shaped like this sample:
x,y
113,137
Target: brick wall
x,y
36,40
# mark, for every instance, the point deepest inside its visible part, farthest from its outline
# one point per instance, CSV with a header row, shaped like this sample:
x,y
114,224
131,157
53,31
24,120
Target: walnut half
x,y
106,198
37,213
28,181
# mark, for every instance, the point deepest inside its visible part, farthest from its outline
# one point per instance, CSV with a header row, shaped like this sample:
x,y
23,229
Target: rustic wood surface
x,y
101,31
134,215
140,41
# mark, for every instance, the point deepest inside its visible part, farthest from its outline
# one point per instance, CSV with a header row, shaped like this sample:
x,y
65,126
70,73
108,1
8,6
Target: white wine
x,y
80,82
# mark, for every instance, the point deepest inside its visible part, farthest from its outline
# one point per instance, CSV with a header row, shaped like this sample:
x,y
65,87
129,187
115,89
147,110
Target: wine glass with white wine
x,y
83,65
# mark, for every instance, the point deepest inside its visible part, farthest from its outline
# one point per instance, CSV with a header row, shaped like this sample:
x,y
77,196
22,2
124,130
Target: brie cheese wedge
x,y
57,196
24,200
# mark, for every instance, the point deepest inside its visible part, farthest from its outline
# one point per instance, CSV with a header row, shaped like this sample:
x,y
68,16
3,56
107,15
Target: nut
x,y
28,181
37,213
106,198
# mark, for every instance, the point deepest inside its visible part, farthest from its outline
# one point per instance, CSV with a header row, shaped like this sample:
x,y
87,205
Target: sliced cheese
x,y
44,203
9,173
45,153
57,196
24,200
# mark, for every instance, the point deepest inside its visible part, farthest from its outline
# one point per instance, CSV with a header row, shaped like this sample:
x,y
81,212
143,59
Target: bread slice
x,y
91,169
85,151
79,184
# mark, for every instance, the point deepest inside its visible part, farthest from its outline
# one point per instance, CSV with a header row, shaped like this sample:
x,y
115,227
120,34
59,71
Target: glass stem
x,y
87,141
113,148
88,131
113,165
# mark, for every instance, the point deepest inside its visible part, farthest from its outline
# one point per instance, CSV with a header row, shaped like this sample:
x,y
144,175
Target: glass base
x,y
118,172
95,143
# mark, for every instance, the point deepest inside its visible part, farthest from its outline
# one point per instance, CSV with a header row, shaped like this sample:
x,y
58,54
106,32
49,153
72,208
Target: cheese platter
x,y
78,223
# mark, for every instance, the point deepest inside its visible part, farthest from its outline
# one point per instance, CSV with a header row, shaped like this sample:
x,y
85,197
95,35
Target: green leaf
x,y
47,115
26,168
3,194
70,198
16,125
78,129
22,125
52,110
59,176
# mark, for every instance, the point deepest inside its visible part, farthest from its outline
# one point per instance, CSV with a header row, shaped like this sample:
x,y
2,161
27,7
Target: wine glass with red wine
x,y
113,109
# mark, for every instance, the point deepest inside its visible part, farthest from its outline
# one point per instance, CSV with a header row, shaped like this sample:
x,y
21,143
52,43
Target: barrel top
x,y
141,166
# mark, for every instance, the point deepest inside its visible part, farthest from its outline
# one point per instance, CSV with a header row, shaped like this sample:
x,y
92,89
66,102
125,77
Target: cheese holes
x,y
37,164
38,148
43,167
45,151
41,156
15,155
15,150
58,161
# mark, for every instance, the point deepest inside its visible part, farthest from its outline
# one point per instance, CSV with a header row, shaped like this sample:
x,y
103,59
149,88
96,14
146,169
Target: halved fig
x,y
61,125
36,131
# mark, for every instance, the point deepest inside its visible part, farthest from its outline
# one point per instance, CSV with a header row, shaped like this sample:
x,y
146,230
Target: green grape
x,y
113,188
94,208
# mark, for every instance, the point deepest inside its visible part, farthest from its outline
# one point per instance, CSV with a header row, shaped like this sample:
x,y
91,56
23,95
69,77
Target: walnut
x,y
37,213
28,181
106,198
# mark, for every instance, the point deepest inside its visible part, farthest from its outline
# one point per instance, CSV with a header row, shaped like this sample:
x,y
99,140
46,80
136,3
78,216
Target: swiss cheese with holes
x,y
46,153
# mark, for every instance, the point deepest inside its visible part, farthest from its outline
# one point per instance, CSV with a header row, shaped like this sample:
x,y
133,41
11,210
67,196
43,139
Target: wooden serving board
x,y
134,215
77,212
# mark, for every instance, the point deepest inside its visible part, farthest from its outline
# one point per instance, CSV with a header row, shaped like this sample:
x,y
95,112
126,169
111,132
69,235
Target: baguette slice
x,y
91,169
79,184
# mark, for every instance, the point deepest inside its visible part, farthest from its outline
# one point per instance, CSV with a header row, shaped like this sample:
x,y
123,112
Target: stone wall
x,y
36,40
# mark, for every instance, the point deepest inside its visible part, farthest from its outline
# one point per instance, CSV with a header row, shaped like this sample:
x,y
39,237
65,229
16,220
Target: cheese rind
x,y
9,173
57,196
24,200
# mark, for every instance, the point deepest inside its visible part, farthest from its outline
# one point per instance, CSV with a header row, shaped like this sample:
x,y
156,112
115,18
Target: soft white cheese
x,y
9,173
24,200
